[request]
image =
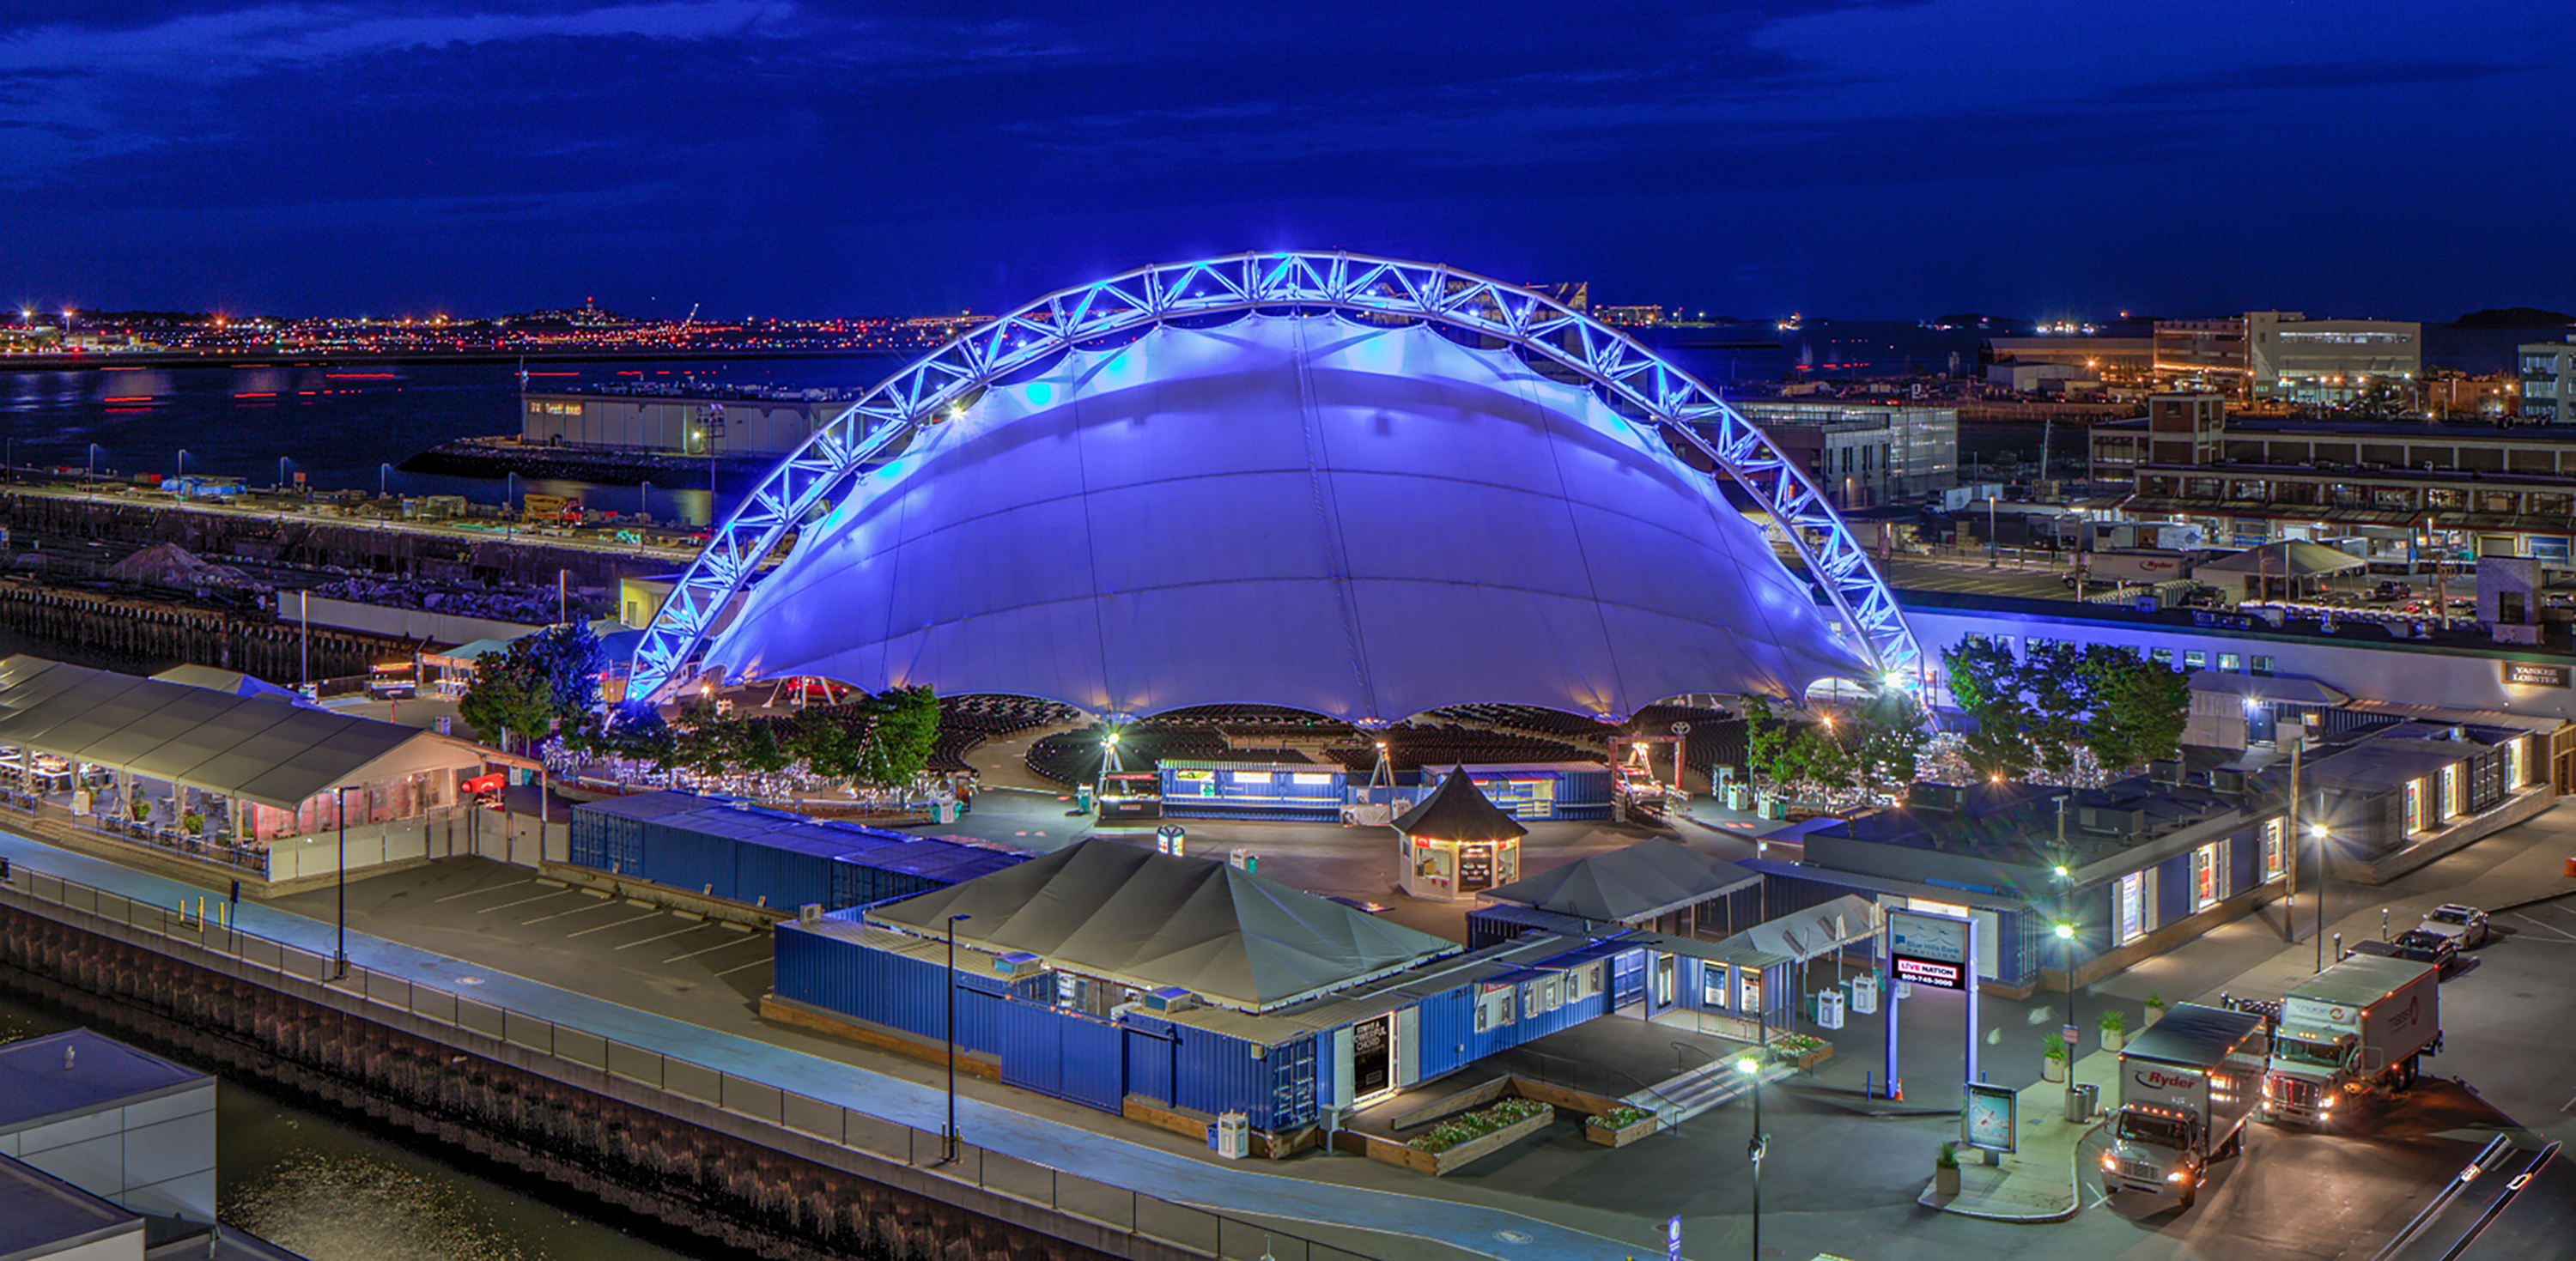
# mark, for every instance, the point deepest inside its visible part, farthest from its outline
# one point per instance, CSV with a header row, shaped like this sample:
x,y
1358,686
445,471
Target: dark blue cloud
x,y
774,155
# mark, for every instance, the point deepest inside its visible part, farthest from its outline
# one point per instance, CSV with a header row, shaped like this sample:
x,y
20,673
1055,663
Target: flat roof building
x,y
2548,380
2292,357
1865,453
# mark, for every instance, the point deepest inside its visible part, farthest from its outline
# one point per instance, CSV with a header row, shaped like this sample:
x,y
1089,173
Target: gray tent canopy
x,y
1459,811
2291,558
1152,921
1631,884
258,748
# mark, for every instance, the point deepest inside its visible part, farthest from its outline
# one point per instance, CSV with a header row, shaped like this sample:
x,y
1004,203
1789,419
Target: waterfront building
x,y
2202,355
2293,358
1861,454
2115,360
2410,491
2548,380
689,420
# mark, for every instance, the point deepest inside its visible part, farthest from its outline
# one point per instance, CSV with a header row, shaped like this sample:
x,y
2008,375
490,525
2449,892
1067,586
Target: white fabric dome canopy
x,y
1362,521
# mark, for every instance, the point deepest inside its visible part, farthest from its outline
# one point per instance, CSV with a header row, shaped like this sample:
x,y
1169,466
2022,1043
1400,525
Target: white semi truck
x,y
2363,1020
2187,1085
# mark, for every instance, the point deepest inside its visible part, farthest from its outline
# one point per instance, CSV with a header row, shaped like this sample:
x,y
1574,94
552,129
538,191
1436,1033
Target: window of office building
x,y
2415,805
2262,666
2230,663
2163,656
2276,857
2195,659
2133,906
2208,875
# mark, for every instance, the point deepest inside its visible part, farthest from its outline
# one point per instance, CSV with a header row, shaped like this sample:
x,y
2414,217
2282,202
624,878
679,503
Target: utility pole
x,y
2290,847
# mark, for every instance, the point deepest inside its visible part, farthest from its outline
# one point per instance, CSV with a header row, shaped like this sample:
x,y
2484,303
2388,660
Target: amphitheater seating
x,y
969,720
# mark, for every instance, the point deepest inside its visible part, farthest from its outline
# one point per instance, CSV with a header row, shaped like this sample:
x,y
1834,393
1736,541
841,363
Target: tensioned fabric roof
x,y
2290,558
1357,520
1152,921
259,748
1629,884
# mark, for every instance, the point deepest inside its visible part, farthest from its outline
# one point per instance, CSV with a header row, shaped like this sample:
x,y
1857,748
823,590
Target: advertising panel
x,y
1928,949
1990,1123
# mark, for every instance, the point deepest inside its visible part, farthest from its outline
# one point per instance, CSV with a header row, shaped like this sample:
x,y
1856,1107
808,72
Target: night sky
x,y
1882,160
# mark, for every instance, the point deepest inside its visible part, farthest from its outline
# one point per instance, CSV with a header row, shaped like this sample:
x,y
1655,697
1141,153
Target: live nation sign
x,y
1928,949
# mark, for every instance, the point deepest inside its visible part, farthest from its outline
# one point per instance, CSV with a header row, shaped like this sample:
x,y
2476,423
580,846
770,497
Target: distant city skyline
x,y
810,160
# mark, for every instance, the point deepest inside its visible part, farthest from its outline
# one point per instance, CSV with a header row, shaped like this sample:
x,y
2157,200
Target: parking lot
x,y
513,920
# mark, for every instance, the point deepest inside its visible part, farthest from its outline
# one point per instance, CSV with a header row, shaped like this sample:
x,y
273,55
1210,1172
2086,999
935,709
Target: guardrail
x,y
1195,1231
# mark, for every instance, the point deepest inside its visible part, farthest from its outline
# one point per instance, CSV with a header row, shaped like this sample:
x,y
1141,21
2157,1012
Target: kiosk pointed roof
x,y
1458,811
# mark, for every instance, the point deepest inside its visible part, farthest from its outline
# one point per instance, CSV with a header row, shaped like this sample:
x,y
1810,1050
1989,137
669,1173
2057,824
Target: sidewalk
x,y
2040,1182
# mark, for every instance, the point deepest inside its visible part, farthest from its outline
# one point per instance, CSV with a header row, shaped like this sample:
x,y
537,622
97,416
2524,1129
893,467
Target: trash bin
x,y
1233,1135
1081,799
2080,1098
1829,1009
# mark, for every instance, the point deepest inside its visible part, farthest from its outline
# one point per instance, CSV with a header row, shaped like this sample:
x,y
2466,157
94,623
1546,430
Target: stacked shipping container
x,y
773,858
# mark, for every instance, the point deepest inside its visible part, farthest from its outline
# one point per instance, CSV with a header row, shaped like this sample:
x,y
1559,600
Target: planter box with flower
x,y
1619,1126
1945,1170
1800,1051
1468,1137
2115,1031
2052,1066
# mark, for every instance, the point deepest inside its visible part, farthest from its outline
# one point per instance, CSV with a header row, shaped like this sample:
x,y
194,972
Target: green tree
x,y
503,703
1892,732
757,748
2139,707
1985,683
900,740
1766,743
541,681
832,741
2037,710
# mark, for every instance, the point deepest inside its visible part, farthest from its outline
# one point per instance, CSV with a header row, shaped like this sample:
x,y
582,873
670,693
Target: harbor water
x,y
337,1189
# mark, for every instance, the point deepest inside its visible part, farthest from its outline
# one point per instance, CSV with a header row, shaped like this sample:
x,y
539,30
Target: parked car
x,y
2417,945
2466,926
2390,589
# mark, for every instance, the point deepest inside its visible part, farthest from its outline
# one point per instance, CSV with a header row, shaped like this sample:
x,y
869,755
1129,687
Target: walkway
x,y
1479,1230
2040,1182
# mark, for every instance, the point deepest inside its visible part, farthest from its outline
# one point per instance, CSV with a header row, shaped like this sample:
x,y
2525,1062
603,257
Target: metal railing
x,y
1196,1231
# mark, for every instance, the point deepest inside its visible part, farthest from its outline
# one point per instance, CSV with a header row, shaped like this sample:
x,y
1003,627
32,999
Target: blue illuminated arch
x,y
1631,379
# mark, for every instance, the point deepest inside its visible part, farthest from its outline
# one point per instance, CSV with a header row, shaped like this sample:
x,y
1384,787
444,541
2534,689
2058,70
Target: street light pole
x,y
949,1155
340,813
2318,830
1758,1147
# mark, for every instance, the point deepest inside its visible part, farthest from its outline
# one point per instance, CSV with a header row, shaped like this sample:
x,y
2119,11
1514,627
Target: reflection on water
x,y
339,1192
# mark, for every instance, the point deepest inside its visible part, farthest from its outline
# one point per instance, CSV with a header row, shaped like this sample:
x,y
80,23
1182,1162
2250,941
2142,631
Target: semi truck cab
x,y
2155,1150
2308,1070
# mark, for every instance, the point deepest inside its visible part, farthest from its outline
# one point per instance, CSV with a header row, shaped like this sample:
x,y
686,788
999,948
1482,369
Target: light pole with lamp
x,y
340,814
183,462
949,1136
93,459
282,462
2318,831
383,471
2066,959
1759,1145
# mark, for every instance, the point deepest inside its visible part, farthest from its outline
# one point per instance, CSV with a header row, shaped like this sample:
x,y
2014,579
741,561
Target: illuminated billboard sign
x,y
1928,949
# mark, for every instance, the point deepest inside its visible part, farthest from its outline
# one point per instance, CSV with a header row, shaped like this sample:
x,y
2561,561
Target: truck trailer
x,y
2187,1085
2366,1019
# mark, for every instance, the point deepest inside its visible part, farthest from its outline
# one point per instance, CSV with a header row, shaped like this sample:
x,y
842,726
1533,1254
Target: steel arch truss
x,y
1632,379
